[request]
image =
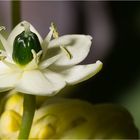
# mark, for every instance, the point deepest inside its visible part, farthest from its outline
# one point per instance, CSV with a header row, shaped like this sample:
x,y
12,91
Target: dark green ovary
x,y
23,44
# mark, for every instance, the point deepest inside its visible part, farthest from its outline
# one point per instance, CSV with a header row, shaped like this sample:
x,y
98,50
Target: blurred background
x,y
115,28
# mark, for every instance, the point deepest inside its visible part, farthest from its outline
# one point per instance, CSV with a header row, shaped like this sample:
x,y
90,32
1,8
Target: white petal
x,y
5,68
36,83
17,30
79,73
46,63
77,45
55,79
8,77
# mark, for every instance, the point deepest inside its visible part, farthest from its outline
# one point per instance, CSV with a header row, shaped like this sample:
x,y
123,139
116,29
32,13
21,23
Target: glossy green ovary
x,y
23,44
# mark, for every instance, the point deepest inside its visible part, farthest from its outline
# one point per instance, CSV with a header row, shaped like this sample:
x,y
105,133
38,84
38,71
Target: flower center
x,y
23,45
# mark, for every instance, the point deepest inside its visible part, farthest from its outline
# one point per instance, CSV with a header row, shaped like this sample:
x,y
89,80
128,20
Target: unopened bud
x,y
44,128
9,122
46,132
15,102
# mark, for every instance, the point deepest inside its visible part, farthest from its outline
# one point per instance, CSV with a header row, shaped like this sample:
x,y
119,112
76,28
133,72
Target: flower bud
x,y
15,102
44,127
77,119
9,124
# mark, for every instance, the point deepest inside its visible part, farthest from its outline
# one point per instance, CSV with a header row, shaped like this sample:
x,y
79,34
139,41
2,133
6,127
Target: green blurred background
x,y
115,27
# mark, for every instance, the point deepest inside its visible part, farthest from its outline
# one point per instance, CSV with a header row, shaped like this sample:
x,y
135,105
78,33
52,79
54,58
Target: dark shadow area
x,y
121,68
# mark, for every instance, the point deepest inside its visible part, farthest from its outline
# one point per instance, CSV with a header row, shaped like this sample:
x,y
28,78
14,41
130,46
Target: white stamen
x,y
56,35
2,28
54,29
34,63
10,65
3,55
36,56
39,53
68,54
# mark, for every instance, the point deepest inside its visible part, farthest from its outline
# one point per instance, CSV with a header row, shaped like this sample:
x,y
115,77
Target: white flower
x,y
50,69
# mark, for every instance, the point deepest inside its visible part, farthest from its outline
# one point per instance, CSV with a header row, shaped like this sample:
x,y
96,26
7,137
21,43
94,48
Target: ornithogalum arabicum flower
x,y
43,67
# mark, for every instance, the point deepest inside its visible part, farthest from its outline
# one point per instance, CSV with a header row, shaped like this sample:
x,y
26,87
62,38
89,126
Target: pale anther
x,y
56,35
54,29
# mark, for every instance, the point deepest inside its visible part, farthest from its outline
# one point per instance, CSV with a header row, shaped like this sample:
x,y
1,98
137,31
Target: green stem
x,y
28,115
15,13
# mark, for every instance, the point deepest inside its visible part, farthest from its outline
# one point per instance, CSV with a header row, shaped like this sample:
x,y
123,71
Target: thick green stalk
x,y
28,115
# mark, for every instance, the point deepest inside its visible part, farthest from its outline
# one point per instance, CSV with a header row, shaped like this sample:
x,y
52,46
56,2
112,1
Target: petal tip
x,y
90,37
24,21
100,64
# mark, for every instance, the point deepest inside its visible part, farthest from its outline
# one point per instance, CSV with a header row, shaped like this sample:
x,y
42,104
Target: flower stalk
x,y
29,106
15,12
